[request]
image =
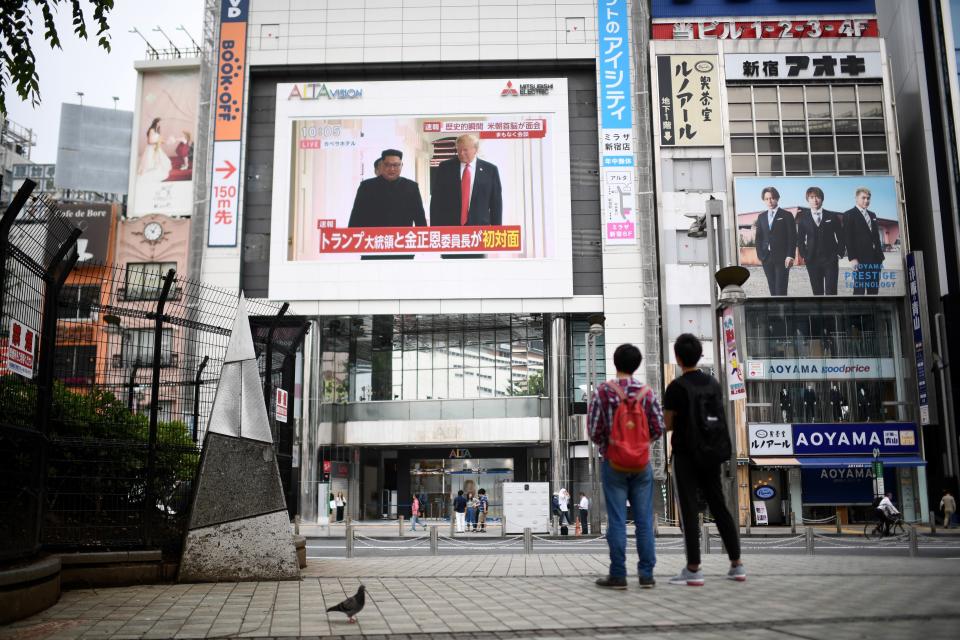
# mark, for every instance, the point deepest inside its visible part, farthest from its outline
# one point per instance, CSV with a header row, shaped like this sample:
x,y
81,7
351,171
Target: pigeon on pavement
x,y
352,605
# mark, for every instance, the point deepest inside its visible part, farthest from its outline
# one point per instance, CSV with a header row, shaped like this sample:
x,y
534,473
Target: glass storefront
x,y
823,361
437,481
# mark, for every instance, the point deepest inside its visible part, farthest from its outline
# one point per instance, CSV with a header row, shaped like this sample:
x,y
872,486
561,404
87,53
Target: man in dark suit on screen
x,y
465,190
864,245
821,244
776,238
388,200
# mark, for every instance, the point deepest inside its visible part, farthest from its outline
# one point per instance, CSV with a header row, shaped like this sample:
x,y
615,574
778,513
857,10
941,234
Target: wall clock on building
x,y
153,232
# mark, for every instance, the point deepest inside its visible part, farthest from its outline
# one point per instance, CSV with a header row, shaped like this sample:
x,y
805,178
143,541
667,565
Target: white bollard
x,y
527,541
809,535
434,540
400,523
349,540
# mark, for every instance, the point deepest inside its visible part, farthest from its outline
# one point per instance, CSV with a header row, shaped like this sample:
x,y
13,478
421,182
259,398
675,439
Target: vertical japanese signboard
x,y
20,348
283,401
738,389
616,124
228,110
688,101
913,282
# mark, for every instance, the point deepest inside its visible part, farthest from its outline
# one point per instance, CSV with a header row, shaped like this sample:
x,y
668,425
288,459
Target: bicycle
x,y
874,530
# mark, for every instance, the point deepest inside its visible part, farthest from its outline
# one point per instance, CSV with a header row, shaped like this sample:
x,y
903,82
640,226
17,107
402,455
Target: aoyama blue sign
x,y
738,8
888,438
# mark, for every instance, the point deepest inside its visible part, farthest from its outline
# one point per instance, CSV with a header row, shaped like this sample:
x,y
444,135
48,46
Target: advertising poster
x,y
96,223
688,101
820,236
412,189
165,131
20,347
736,387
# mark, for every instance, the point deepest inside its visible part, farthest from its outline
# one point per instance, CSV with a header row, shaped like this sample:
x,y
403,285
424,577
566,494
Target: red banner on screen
x,y
387,240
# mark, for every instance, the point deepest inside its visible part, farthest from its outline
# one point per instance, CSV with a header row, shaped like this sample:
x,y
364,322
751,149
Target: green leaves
x,y
17,60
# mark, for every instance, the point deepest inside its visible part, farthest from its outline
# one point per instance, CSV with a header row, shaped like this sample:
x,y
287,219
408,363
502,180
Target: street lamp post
x,y
593,462
730,280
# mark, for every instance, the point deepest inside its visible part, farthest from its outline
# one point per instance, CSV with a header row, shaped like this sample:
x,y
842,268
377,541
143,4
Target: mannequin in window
x,y
809,403
786,406
827,343
838,404
863,403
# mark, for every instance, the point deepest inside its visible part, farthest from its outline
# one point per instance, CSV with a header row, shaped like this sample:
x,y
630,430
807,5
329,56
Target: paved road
x,y
543,596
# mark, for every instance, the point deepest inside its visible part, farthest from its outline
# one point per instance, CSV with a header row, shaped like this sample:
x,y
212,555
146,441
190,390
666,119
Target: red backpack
x,y
628,448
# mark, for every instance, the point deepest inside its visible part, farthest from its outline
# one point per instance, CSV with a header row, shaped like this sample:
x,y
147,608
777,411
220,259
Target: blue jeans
x,y
471,517
617,489
413,522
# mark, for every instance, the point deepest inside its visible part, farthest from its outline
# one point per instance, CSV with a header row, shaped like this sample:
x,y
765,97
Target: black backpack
x,y
708,439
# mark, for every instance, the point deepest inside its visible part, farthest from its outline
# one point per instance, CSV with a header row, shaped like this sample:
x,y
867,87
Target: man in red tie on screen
x,y
465,191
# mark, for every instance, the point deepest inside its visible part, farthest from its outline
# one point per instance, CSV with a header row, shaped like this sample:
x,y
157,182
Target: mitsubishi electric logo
x,y
526,89
318,90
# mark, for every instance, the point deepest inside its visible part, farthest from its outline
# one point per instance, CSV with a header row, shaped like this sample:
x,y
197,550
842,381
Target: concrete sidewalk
x,y
535,596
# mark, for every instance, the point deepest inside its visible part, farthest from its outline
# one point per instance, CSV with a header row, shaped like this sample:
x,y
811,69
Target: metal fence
x,y
99,447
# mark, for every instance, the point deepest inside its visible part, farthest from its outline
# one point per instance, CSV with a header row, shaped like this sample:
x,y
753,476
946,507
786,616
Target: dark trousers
x,y
691,477
339,514
777,275
584,522
823,277
866,279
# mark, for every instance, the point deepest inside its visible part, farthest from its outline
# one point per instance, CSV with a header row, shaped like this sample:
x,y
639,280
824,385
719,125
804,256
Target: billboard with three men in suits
x,y
820,235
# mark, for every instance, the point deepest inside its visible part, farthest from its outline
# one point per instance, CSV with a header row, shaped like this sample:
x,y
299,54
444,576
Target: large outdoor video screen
x,y
421,190
820,235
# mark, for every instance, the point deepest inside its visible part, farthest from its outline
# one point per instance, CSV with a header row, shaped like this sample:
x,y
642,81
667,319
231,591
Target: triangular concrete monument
x,y
239,528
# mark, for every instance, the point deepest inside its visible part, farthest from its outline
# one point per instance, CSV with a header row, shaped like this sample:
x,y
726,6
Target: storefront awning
x,y
775,462
853,462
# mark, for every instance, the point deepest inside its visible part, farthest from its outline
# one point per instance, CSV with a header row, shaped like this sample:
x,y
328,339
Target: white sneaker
x,y
689,578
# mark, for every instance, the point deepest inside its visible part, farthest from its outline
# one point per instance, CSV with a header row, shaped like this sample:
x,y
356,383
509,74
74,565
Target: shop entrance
x,y
437,481
769,499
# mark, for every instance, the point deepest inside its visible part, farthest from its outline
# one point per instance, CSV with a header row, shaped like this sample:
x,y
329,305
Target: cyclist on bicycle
x,y
887,513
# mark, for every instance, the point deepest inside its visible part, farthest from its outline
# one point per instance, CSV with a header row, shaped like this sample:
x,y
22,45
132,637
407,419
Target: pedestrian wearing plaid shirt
x,y
618,487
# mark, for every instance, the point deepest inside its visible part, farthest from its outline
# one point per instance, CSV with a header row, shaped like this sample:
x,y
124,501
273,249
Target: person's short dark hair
x,y
460,493
391,152
814,191
482,492
770,190
627,358
376,163
688,349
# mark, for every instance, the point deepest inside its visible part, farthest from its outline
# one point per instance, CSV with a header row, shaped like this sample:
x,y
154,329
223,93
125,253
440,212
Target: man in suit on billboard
x,y
821,244
388,200
776,240
864,245
465,190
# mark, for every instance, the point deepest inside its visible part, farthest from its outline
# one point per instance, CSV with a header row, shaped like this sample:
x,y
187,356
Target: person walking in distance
x,y
471,512
693,408
460,510
340,503
414,513
483,505
584,513
949,506
623,419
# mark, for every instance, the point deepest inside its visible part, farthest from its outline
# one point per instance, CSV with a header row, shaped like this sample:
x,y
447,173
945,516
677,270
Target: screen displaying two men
x,y
424,187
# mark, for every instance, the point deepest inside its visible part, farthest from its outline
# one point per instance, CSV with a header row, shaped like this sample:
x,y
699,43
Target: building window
x,y
138,348
145,279
164,410
578,366
75,365
78,302
823,361
807,130
427,357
